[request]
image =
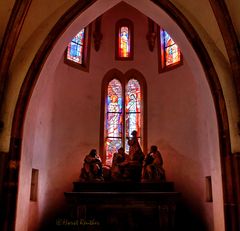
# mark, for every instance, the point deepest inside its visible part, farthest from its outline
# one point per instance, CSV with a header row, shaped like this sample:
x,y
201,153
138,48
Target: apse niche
x,y
63,122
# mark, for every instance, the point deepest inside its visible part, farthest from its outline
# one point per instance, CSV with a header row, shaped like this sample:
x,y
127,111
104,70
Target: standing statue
x,y
153,166
92,167
133,165
135,151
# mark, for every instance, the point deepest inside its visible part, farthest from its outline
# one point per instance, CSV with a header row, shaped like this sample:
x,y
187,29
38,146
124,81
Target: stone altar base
x,y
121,206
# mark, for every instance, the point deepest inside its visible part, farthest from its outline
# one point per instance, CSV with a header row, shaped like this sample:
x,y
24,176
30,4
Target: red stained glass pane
x,y
114,97
168,41
114,124
133,122
114,121
133,96
170,52
172,55
133,107
124,42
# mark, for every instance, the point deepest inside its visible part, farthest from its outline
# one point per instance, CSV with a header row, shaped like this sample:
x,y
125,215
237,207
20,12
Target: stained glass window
x,y
170,52
114,119
122,115
132,108
76,48
77,52
124,40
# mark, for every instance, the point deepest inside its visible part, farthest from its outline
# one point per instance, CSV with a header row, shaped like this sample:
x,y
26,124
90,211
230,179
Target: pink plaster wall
x,y
35,150
63,124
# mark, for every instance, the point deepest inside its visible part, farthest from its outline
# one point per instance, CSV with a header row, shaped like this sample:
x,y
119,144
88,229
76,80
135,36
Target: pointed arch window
x,y
124,40
114,119
77,52
170,55
123,113
133,108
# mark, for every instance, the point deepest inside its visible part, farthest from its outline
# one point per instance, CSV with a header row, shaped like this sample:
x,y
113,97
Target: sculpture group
x,y
134,166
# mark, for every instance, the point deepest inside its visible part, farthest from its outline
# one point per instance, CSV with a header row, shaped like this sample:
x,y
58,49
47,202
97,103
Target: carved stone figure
x,y
135,151
133,165
92,167
153,166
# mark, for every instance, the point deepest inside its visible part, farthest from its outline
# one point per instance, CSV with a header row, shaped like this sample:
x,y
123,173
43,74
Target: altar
x,y
123,205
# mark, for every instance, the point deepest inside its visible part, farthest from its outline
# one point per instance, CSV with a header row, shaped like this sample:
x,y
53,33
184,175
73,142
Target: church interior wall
x,y
63,123
36,28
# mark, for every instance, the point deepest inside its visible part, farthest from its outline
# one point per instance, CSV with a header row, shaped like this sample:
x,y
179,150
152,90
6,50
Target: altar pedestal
x,y
123,206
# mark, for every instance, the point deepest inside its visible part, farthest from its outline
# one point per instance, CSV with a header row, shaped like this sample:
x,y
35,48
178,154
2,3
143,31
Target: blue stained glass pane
x,y
114,125
75,40
112,145
168,40
170,52
79,38
114,104
75,48
133,122
162,37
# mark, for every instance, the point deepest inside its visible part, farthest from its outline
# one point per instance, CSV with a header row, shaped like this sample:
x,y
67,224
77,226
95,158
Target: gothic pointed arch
x,y
123,110
11,180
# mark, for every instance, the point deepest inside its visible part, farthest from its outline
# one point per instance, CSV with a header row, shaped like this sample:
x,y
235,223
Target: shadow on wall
x,y
187,220
51,218
192,213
